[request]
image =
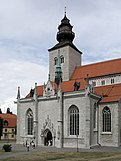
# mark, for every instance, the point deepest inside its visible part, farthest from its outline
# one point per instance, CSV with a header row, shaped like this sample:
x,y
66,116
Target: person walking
x,y
27,146
33,144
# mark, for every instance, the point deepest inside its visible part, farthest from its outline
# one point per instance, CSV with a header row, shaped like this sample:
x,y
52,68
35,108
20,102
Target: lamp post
x,y
7,137
77,136
77,143
34,135
54,136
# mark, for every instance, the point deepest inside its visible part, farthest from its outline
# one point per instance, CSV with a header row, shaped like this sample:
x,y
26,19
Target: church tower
x,y
70,56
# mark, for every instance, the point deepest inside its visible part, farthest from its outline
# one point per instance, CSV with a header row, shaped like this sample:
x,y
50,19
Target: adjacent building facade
x,y
79,104
9,126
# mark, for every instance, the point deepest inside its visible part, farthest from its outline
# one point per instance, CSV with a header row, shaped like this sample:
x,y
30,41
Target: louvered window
x,y
55,61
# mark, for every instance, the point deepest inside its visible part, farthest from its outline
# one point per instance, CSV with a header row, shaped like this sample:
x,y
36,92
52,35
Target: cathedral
x,y
79,105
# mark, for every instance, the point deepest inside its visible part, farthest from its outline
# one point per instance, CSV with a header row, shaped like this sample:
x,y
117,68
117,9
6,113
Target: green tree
x,y
0,111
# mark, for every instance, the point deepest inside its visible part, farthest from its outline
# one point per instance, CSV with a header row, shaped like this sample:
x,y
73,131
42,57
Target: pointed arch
x,y
29,119
73,120
48,137
106,119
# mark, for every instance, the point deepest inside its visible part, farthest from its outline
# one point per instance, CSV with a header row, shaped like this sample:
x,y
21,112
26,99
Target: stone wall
x,y
71,59
109,138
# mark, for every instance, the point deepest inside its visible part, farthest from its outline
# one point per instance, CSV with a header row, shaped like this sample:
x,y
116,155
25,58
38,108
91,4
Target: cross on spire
x,y
65,11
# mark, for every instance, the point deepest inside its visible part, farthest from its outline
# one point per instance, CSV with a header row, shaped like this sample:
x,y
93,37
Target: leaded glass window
x,y
29,122
106,119
73,120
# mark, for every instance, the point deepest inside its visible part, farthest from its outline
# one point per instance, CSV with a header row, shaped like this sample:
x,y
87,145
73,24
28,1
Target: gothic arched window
x,y
73,120
29,122
106,119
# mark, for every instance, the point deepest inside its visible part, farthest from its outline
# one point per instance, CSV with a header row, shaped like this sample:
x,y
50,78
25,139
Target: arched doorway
x,y
48,138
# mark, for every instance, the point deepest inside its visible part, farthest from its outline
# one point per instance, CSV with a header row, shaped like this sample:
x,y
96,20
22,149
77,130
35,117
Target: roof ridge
x,y
102,62
7,114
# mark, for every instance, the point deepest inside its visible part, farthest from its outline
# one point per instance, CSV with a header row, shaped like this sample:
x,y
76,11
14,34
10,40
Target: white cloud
x,y
9,103
19,73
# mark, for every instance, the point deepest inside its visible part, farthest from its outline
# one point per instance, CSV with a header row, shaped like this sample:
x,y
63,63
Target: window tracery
x,y
73,120
29,122
106,119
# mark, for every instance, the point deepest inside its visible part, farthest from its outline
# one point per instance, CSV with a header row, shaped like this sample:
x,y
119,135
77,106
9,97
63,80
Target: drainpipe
x,y
36,115
18,116
61,115
98,121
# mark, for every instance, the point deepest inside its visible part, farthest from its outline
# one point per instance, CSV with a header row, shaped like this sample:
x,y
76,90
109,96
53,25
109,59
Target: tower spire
x,y
58,72
18,94
65,33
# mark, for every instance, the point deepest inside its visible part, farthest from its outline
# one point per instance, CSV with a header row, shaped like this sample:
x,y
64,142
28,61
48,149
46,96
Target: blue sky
x,y
28,29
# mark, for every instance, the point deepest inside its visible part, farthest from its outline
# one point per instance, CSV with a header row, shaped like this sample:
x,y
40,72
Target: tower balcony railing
x,y
66,31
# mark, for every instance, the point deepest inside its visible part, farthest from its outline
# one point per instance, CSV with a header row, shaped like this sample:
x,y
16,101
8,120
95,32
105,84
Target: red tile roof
x,y
39,91
68,86
11,118
97,69
110,93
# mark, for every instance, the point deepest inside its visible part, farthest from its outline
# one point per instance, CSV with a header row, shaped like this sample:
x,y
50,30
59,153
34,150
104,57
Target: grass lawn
x,y
65,156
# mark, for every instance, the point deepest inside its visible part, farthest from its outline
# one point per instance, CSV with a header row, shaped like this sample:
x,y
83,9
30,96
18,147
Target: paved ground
x,y
18,149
